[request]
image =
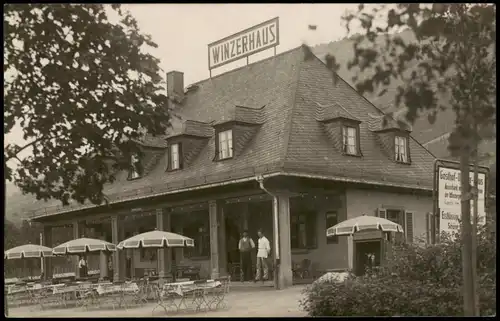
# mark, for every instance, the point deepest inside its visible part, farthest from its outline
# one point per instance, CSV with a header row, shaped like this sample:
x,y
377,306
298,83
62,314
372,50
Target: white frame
x,y
225,144
134,159
401,148
174,157
350,149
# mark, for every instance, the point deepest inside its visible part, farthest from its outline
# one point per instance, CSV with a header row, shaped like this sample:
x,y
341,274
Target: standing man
x,y
246,246
264,249
82,265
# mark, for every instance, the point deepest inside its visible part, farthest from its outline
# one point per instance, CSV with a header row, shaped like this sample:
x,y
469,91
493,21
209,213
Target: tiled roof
x,y
332,111
308,148
281,94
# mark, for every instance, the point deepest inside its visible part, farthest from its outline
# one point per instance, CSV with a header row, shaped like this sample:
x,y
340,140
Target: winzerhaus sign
x,y
244,43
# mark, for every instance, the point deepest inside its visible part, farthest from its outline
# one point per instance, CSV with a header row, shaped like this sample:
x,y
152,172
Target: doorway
x,y
368,255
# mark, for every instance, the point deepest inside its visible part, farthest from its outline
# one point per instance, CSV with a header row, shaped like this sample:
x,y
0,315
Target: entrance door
x,y
367,256
232,239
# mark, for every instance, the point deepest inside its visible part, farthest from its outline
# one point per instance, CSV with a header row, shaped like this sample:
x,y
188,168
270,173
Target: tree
x,y
415,281
84,91
451,64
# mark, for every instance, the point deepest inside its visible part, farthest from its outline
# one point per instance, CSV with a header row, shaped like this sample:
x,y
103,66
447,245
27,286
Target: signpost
x,y
448,192
244,43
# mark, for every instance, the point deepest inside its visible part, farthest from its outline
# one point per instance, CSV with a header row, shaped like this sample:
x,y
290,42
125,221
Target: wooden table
x,y
192,293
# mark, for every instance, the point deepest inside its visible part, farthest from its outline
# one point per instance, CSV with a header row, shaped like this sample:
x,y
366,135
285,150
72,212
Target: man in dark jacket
x,y
246,246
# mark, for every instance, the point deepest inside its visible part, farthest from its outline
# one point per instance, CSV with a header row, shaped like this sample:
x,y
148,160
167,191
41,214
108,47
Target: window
x,y
303,230
350,140
401,149
174,157
332,219
396,216
135,170
225,144
197,227
403,218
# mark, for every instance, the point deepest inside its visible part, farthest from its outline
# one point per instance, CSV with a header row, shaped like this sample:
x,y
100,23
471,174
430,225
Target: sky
x,y
183,31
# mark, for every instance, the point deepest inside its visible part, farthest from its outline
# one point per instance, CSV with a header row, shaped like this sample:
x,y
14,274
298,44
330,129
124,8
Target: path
x,y
258,303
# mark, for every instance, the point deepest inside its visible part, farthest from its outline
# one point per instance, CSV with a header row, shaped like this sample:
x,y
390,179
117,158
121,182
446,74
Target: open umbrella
x,y
363,222
83,245
156,239
28,251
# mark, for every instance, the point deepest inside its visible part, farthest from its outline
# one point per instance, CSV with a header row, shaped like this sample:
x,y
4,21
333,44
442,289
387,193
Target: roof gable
x,y
288,136
309,148
261,93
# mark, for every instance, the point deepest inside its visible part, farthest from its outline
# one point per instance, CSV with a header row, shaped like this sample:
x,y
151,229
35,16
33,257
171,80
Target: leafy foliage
x,y
455,58
416,281
84,91
452,57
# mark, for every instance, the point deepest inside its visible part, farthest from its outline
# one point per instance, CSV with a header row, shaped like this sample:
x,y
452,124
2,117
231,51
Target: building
x,y
283,137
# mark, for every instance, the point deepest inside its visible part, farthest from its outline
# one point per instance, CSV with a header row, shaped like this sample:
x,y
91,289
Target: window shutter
x,y
381,212
181,156
409,226
429,223
169,159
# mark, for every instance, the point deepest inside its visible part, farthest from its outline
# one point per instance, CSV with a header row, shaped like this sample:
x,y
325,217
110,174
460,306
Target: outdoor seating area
x,y
193,296
181,291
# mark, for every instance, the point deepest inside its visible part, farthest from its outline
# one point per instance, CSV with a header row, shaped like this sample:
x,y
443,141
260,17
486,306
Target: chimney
x,y
175,84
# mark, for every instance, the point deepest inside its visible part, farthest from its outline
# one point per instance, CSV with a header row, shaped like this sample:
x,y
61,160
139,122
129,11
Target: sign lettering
x,y
244,43
449,198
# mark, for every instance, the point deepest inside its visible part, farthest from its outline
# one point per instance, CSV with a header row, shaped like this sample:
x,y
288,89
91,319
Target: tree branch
x,y
24,147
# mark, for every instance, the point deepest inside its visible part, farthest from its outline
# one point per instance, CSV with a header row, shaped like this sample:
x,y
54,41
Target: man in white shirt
x,y
264,249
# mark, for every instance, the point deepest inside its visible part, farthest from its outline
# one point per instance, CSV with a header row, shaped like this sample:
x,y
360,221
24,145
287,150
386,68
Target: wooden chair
x,y
302,271
218,294
166,298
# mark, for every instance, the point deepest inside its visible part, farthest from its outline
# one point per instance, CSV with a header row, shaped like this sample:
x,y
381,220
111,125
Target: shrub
x,y
415,281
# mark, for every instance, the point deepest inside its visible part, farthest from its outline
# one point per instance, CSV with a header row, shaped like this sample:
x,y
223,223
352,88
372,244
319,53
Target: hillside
x,y
432,136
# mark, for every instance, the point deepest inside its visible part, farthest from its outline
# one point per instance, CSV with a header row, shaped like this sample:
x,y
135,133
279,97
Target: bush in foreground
x,y
415,281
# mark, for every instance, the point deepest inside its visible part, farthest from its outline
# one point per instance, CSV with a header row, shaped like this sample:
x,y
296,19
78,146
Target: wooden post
x,y
285,276
47,262
350,253
214,243
118,256
103,265
76,235
221,238
163,223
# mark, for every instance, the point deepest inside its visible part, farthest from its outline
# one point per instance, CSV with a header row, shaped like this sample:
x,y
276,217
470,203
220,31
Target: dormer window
x,y
174,157
225,144
135,168
350,145
401,149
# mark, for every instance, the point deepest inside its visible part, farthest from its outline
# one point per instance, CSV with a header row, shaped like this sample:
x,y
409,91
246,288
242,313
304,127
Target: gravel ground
x,y
258,303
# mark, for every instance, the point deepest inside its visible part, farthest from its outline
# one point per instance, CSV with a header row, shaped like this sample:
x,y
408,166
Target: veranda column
x,y
117,232
285,277
221,217
47,262
163,223
244,216
214,239
77,233
103,265
350,253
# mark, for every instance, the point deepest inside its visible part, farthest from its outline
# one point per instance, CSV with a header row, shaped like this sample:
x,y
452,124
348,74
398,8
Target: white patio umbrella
x,y
156,239
28,251
83,245
363,222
